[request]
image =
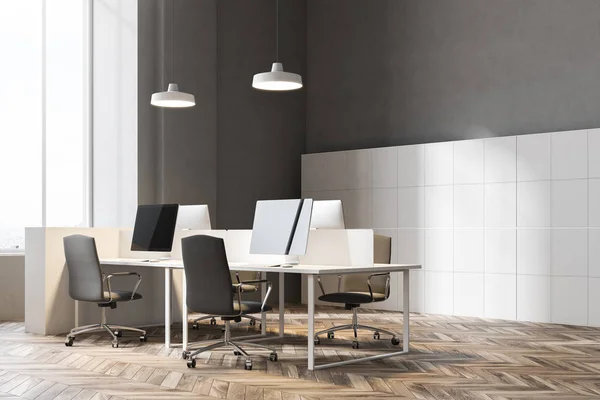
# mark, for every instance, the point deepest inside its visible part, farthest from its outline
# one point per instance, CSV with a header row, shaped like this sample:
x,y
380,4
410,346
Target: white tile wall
x,y
594,202
411,207
569,252
468,206
501,251
505,227
468,162
439,163
500,205
594,301
411,246
439,292
439,250
594,253
534,298
594,153
469,294
500,159
359,169
469,250
569,300
534,250
385,208
385,167
439,210
569,155
569,203
534,204
500,296
534,157
411,165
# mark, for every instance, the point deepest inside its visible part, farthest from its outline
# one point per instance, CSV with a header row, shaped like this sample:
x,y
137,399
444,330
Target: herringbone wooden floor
x,y
452,358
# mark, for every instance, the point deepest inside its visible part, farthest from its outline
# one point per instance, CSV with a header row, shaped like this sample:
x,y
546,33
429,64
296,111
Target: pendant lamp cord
x,y
173,39
277,30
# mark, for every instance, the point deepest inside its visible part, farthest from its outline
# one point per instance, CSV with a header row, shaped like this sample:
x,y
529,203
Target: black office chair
x,y
88,283
361,289
237,277
209,292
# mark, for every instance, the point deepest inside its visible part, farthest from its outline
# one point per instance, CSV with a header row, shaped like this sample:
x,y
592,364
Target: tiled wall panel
x,y
505,227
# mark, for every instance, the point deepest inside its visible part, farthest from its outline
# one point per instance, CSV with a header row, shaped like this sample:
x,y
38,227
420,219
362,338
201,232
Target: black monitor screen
x,y
154,227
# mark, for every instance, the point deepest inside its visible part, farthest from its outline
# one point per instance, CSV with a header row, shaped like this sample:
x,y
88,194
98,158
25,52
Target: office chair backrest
x,y
382,254
85,274
207,275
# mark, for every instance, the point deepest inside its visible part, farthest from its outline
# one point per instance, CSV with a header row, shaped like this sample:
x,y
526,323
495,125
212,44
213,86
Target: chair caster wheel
x,y
213,321
237,353
69,341
184,355
115,344
143,338
191,363
273,356
248,365
330,335
355,345
376,336
317,341
195,326
252,322
118,334
395,341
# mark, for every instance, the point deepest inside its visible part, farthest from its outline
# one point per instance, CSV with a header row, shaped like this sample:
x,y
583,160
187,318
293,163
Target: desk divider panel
x,y
354,247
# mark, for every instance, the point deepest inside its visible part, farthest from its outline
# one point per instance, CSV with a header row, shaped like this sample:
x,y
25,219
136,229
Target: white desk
x,y
310,270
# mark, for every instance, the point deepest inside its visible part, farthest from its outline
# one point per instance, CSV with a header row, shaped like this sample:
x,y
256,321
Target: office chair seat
x,y
250,307
246,288
121,295
352,297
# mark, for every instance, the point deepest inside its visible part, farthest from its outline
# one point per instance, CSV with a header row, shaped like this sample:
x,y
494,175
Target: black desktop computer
x,y
154,227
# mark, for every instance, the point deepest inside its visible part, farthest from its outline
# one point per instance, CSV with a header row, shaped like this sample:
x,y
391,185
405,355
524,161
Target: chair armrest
x,y
387,284
264,281
120,274
339,286
238,292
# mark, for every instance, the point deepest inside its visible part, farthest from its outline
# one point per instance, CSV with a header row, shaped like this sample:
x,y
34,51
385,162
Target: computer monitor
x,y
281,227
193,217
327,214
154,227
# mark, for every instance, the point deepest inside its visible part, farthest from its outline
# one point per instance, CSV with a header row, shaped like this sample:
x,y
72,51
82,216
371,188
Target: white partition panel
x,y
505,227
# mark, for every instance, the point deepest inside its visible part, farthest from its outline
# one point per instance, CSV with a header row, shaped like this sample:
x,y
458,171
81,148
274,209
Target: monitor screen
x,y
194,217
281,227
327,214
154,227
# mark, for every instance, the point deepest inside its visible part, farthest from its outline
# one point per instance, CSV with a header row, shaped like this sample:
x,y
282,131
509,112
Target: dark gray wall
x,y
237,145
177,148
392,72
261,134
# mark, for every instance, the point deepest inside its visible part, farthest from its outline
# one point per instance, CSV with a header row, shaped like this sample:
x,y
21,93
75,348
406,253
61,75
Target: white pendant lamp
x,y
277,79
173,98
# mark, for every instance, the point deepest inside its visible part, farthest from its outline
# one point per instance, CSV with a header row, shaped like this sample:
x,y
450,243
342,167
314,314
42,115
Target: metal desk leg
x,y
406,311
263,316
281,304
311,322
184,314
168,279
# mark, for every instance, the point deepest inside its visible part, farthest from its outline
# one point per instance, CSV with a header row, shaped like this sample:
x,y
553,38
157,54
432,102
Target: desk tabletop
x,y
288,269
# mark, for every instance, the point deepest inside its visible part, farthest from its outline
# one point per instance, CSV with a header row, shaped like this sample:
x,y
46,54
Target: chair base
x,y
355,326
213,320
227,342
115,331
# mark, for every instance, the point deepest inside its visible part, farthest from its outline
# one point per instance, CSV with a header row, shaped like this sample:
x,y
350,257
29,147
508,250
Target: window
x,y
43,117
